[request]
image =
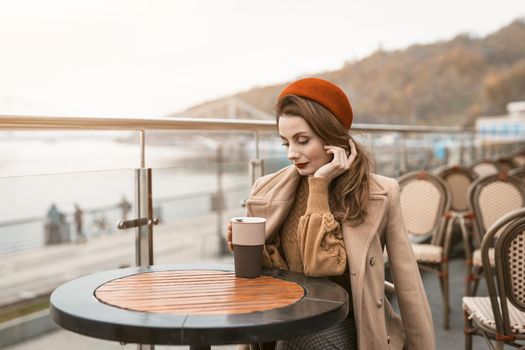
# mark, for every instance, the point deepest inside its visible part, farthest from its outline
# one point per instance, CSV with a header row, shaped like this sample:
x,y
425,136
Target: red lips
x,y
301,165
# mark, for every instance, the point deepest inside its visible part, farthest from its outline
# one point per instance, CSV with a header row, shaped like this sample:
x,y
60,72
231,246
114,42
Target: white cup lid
x,y
248,231
248,220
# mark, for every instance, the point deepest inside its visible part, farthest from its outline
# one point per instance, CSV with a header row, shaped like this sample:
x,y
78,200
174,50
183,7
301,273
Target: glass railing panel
x,y
45,240
382,149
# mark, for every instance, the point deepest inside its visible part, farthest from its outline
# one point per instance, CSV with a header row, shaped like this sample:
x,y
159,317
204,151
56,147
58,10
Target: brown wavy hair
x,y
349,192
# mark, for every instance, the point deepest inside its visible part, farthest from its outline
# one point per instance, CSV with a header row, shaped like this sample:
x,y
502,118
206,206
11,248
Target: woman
x,y
329,216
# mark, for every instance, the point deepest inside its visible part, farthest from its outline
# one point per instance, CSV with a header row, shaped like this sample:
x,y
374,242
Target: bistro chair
x,y
501,316
490,198
425,199
484,167
458,178
518,172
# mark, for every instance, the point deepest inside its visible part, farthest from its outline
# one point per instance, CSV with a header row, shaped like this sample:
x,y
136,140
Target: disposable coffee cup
x,y
248,243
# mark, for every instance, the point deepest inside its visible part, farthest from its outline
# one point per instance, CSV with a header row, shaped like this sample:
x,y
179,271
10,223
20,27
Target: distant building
x,y
505,127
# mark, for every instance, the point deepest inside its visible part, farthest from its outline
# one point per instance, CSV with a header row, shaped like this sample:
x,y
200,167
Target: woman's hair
x,y
349,192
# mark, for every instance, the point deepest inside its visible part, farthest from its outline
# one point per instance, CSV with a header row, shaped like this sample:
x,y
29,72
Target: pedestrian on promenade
x,y
329,216
52,225
125,207
77,216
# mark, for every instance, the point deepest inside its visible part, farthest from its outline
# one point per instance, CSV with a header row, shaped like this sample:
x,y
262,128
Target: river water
x,y
98,172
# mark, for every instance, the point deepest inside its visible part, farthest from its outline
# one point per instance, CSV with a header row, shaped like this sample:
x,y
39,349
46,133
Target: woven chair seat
x,y
476,257
481,309
428,253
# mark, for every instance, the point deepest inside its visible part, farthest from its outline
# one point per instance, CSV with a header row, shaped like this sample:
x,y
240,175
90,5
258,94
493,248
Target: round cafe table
x,y
197,305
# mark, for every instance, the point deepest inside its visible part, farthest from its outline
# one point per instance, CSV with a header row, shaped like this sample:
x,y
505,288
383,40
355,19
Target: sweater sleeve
x,y
272,257
320,237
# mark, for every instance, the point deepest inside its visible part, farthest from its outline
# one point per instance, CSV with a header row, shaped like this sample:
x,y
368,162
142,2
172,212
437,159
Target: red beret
x,y
326,94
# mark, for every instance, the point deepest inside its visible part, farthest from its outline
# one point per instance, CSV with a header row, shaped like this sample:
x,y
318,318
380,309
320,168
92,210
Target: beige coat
x,y
378,327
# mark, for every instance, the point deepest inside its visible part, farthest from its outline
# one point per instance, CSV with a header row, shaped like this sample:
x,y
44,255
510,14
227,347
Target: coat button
x,y
372,261
379,302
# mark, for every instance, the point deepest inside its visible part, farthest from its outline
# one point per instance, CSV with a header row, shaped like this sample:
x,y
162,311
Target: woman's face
x,y
305,148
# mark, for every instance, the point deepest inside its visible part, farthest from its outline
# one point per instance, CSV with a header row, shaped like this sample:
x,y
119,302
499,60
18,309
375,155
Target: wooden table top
x,y
198,292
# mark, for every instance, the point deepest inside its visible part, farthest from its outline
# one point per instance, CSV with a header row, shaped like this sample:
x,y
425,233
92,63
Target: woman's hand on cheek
x,y
339,164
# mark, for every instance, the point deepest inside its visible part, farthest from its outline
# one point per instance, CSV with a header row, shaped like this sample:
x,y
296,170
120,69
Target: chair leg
x,y
467,330
443,284
468,253
468,276
443,274
478,273
446,297
500,345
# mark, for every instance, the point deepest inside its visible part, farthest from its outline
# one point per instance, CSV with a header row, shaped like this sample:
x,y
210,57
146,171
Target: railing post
x,y
472,147
143,209
257,164
219,202
461,149
370,142
447,153
256,169
403,154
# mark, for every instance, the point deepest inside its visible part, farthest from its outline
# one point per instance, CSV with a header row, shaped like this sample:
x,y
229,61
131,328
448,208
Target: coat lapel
x,y
273,198
358,238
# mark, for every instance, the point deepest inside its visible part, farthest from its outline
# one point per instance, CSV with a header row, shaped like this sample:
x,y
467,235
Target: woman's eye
x,y
285,144
303,142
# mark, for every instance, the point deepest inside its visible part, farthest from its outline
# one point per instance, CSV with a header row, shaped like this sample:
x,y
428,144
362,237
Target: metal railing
x,y
465,141
18,122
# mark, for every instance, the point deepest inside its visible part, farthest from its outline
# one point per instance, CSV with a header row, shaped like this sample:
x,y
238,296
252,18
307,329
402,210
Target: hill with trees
x,y
443,83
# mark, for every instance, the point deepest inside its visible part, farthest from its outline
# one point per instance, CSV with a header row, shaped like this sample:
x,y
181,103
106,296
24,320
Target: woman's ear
x,y
350,141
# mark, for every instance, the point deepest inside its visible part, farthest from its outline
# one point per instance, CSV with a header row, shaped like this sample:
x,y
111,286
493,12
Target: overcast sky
x,y
154,57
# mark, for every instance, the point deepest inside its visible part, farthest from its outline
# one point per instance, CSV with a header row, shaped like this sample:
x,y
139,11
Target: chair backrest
x,y
491,197
425,199
484,167
518,172
509,253
458,178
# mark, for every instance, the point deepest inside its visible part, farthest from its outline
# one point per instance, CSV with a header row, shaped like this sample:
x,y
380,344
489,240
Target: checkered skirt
x,y
342,336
